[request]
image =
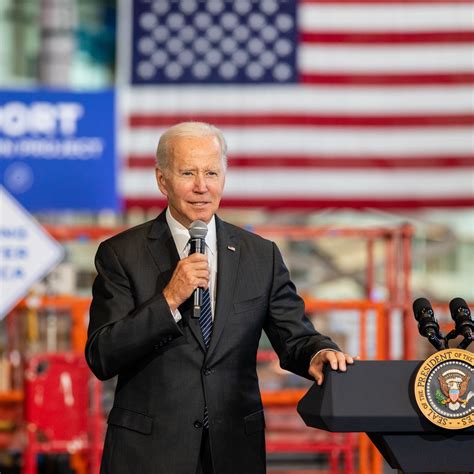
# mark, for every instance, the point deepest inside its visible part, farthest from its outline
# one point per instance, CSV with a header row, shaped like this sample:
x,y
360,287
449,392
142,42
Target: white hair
x,y
187,129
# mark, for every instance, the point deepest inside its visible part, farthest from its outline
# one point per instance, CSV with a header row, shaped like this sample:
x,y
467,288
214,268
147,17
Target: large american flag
x,y
348,103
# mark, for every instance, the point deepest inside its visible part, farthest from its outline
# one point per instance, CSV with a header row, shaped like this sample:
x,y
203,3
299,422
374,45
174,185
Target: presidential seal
x,y
444,389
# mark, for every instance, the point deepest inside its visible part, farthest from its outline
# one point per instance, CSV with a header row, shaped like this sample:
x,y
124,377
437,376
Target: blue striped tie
x,y
205,318
205,321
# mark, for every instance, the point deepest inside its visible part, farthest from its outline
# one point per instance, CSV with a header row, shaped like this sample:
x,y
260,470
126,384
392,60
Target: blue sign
x,y
57,149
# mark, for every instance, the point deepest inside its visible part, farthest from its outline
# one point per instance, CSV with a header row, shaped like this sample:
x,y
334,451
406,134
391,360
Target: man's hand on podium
x,y
336,360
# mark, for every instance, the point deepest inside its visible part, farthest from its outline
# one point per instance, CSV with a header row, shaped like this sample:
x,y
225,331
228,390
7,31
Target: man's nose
x,y
200,185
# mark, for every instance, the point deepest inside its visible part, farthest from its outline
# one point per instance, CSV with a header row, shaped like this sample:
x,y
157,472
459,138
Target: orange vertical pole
x,y
363,334
381,352
78,463
78,331
369,286
370,460
397,266
369,294
377,461
409,330
364,467
390,284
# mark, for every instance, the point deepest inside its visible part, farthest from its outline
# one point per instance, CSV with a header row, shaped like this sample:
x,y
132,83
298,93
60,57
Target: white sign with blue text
x,y
27,252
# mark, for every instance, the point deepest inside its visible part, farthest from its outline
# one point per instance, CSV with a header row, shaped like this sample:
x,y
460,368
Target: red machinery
x,y
62,411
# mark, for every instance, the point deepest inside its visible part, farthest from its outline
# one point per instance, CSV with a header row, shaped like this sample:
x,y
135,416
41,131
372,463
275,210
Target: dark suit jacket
x,y
165,374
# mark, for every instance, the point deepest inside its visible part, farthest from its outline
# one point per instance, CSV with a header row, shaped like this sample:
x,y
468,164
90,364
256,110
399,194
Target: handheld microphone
x,y
464,325
427,324
197,232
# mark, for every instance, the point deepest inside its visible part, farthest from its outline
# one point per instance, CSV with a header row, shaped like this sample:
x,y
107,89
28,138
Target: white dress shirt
x,y
181,239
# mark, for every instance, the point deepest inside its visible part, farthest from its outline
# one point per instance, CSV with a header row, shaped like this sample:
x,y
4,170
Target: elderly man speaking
x,y
187,399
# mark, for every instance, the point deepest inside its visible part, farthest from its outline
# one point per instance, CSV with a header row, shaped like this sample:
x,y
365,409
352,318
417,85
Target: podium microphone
x,y
427,325
197,232
464,325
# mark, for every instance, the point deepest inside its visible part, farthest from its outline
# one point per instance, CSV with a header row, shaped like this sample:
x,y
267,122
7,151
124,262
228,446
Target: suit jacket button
x,y
197,424
207,372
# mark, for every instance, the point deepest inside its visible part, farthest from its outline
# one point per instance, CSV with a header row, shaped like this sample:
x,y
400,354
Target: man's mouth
x,y
199,203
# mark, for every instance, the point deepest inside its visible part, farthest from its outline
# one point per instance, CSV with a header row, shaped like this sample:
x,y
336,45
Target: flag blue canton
x,y
214,41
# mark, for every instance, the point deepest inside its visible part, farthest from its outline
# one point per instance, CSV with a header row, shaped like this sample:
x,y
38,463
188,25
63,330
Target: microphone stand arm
x,y
437,341
464,344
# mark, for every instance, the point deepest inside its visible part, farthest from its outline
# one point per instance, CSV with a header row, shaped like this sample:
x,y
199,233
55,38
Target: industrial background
x,y
351,145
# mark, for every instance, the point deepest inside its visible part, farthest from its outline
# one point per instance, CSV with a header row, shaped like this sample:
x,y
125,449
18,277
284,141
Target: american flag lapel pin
x,y
231,248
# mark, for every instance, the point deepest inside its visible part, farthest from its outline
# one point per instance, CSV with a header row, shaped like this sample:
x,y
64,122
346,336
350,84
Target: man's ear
x,y
161,181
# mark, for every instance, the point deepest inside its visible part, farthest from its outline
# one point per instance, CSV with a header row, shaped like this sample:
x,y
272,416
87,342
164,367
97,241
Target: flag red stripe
x,y
379,79
374,162
301,120
277,202
394,38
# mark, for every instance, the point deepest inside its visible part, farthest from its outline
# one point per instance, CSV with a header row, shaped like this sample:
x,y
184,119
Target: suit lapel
x,y
228,256
162,247
166,257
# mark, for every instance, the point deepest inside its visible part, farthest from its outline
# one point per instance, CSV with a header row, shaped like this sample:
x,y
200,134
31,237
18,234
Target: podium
x,y
377,397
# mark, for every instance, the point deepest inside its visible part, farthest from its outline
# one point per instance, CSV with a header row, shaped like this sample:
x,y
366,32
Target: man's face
x,y
194,182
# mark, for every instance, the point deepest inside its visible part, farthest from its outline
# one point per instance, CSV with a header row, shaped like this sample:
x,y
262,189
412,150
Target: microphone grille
x,y
419,304
198,230
455,304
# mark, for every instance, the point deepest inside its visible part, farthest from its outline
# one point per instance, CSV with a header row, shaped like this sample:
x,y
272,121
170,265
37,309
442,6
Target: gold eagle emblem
x,y
453,384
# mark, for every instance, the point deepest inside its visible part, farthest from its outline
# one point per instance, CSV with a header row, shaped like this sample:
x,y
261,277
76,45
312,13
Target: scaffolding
x,y
28,326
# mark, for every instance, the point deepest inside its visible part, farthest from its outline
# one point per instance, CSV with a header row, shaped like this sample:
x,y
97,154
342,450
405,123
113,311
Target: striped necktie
x,y
205,319
205,322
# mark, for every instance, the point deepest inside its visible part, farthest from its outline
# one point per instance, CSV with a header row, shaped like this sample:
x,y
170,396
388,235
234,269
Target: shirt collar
x,y
181,234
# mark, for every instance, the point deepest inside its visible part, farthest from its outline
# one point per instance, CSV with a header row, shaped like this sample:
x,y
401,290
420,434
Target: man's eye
x,y
187,173
212,173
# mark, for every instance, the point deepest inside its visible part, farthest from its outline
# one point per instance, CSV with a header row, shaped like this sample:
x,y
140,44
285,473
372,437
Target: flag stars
x,y
229,21
187,33
202,21
201,70
215,41
228,70
174,46
175,21
229,45
148,21
159,58
269,33
161,7
188,6
269,7
243,7
284,22
146,70
161,34
146,45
